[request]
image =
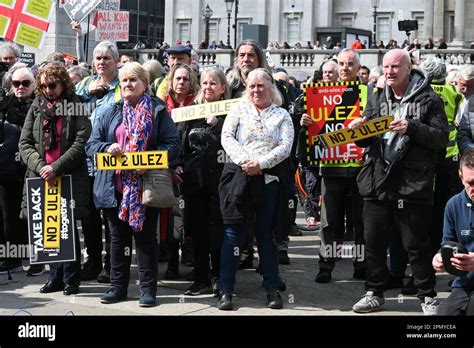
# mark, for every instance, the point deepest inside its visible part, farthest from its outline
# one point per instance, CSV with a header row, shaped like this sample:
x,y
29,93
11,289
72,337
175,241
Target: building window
x,y
383,29
240,32
420,34
451,30
293,29
345,21
183,31
213,32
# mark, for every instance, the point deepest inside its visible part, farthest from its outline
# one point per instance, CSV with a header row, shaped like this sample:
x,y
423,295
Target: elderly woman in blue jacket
x,y
137,123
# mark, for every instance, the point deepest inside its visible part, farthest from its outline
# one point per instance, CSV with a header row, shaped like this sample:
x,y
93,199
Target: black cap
x,y
179,49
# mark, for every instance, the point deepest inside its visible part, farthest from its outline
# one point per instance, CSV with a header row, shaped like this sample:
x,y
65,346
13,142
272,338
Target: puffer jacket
x,y
165,137
409,173
75,132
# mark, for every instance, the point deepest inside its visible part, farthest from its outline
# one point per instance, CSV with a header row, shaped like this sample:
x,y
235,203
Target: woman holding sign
x,y
52,145
258,136
203,161
138,123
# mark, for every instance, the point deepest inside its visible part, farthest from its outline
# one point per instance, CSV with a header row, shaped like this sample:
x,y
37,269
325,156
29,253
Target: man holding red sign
x,y
340,165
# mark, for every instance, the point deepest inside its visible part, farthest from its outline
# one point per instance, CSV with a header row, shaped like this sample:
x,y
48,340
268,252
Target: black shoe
x,y
91,269
51,286
224,303
324,276
409,287
104,277
274,300
147,299
71,289
113,295
12,266
197,289
35,270
294,231
171,274
246,264
283,258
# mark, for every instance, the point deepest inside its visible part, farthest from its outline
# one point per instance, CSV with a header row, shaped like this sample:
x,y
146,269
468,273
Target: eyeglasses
x,y
24,83
51,85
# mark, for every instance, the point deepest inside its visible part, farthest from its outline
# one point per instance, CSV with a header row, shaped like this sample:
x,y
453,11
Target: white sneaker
x,y
369,303
430,306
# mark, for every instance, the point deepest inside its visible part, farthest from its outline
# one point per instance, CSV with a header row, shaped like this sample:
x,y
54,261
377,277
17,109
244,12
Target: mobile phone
x,y
447,253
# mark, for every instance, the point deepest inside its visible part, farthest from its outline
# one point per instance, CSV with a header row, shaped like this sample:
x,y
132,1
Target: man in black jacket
x,y
396,180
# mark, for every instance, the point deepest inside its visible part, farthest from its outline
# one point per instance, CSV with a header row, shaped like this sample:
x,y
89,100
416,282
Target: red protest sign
x,y
26,20
331,106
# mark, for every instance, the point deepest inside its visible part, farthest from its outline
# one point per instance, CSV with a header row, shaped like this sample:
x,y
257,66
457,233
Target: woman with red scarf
x,y
137,123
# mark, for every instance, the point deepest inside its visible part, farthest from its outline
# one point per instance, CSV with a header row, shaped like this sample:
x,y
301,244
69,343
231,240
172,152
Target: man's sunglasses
x,y
51,85
24,83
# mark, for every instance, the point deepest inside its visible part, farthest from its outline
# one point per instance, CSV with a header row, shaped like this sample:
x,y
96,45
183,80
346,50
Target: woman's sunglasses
x,y
51,85
24,83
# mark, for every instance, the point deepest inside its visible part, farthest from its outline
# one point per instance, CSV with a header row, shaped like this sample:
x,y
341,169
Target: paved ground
x,y
303,295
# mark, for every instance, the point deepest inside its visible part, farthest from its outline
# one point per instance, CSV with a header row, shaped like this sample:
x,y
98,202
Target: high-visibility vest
x,y
452,101
117,92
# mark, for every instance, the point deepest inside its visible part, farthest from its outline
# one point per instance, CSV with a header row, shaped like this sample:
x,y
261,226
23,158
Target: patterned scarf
x,y
138,124
48,111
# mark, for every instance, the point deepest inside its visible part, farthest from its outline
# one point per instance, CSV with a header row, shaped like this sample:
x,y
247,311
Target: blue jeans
x,y
234,237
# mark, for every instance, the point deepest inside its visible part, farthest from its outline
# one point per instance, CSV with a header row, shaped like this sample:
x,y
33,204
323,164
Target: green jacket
x,y
74,135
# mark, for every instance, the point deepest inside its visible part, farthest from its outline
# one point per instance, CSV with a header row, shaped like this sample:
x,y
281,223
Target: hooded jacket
x,y
404,166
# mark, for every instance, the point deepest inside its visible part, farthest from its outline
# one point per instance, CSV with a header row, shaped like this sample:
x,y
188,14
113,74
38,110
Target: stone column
x,y
438,20
428,19
459,12
169,22
274,33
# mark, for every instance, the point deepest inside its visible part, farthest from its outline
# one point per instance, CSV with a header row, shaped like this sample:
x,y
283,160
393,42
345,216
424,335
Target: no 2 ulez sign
x,y
331,106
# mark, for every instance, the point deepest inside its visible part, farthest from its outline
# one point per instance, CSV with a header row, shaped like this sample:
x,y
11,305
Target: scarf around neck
x,y
47,109
138,124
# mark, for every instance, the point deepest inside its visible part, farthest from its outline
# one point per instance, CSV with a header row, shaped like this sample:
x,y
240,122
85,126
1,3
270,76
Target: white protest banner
x,y
112,26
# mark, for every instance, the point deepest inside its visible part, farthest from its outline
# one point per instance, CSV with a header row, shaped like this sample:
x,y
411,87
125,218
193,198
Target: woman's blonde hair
x,y
154,68
275,95
194,84
218,75
134,69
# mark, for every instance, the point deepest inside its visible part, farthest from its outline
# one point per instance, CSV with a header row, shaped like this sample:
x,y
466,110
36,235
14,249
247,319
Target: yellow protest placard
x,y
52,215
39,8
346,135
198,111
3,25
29,36
132,160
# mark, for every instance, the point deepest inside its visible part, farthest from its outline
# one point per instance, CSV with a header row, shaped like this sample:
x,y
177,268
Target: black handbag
x,y
158,189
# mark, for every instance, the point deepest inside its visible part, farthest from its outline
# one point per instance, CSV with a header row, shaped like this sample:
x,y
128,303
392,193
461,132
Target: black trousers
x,y
459,302
203,221
335,192
411,221
92,229
12,229
146,245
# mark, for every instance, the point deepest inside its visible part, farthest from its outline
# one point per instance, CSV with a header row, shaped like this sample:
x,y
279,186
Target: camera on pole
x,y
408,26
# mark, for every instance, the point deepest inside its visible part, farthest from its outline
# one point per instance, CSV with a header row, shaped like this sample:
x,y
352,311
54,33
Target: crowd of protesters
x,y
235,175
